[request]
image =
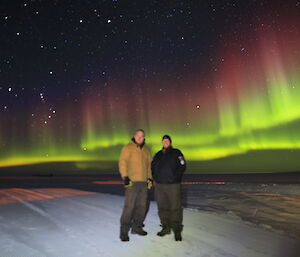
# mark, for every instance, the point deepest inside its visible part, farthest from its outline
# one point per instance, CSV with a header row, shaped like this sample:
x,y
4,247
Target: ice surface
x,y
88,225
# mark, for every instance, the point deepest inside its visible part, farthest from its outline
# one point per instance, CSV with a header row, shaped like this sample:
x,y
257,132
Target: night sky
x,y
78,77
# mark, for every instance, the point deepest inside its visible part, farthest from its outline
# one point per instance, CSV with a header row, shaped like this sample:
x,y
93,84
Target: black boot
x,y
124,234
138,231
177,229
164,231
178,236
124,237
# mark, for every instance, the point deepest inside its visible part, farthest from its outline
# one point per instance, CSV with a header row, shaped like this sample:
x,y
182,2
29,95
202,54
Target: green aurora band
x,y
251,105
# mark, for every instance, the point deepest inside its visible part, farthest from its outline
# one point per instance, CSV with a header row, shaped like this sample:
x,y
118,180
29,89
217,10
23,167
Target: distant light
x,y
118,182
9,89
108,21
205,183
111,182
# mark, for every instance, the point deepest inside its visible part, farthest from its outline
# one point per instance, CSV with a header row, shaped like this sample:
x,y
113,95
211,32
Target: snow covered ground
x,y
68,222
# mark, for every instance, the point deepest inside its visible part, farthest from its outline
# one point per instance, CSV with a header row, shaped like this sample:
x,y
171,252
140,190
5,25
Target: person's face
x,y
166,143
139,137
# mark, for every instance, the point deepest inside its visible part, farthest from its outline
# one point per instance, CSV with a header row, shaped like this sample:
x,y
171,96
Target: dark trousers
x,y
135,206
170,211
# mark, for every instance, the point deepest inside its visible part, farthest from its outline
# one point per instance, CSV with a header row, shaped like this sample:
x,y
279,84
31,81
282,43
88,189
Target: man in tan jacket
x,y
135,169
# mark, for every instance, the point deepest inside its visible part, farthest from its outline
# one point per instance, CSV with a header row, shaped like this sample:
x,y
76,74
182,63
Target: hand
x,y
127,182
149,183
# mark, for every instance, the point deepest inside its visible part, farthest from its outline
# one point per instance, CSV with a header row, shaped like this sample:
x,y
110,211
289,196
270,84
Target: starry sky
x,y
78,77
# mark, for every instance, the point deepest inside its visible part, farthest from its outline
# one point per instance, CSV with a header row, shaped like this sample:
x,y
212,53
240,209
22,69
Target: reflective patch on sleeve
x,y
181,160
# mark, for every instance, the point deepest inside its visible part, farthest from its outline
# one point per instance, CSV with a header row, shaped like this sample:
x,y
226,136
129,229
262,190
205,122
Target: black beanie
x,y
167,137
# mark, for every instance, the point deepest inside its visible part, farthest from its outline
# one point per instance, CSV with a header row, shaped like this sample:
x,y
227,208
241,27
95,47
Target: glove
x,y
127,182
149,183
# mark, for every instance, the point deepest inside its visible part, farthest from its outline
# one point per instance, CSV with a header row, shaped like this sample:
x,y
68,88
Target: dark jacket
x,y
168,166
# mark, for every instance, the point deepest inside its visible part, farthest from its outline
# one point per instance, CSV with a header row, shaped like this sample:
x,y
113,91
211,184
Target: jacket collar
x,y
164,150
141,145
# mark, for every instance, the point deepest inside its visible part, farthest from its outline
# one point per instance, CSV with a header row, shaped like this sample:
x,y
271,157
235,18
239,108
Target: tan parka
x,y
135,162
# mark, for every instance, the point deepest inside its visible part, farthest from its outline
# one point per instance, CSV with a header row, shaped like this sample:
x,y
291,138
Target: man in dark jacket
x,y
168,166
